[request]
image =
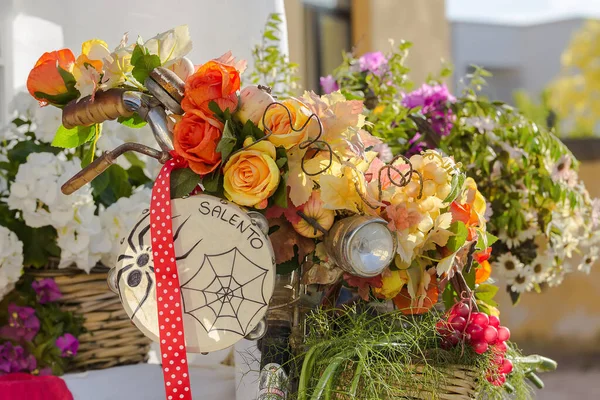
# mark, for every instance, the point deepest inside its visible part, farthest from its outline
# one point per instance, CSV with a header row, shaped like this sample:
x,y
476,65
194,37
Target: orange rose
x,y
47,84
195,139
213,81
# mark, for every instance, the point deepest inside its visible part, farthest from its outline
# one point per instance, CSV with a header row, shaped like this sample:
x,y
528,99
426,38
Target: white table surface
x,y
145,382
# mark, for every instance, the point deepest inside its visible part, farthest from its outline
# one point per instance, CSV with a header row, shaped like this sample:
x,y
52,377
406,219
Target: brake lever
x,y
101,164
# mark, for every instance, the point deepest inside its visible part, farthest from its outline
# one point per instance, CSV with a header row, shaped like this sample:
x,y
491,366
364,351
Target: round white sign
x,y
226,271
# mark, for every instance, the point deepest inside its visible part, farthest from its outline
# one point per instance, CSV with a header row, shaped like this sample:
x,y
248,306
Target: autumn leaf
x,y
290,212
300,184
340,192
287,242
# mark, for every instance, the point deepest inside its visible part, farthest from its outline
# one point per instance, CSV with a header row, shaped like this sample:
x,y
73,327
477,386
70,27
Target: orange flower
x,y
483,255
409,306
213,81
196,139
47,84
483,272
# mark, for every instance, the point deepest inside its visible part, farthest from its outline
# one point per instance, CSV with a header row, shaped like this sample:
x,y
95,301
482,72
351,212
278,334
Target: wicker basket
x,y
111,338
458,383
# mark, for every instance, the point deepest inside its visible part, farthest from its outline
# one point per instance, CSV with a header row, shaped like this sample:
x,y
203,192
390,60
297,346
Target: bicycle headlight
x,y
361,245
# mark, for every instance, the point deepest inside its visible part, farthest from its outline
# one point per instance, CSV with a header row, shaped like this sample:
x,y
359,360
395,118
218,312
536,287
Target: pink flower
x,y
433,100
22,324
15,359
329,84
400,218
374,62
68,345
47,290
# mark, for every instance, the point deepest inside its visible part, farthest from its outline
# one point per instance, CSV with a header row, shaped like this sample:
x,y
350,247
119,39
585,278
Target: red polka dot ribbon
x,y
168,296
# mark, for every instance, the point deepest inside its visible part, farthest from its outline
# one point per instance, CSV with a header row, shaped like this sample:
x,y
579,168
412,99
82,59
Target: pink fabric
x,y
31,387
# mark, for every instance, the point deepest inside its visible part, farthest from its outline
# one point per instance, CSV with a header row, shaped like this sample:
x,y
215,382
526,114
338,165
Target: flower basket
x,y
110,339
458,382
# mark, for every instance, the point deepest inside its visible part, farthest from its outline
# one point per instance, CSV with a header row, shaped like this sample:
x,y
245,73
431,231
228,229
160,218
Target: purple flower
x,y
416,145
374,62
14,359
68,345
22,323
47,290
433,100
329,84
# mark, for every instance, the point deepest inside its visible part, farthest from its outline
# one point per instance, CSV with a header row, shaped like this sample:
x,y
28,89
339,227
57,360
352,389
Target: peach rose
x,y
213,81
251,176
280,123
195,139
46,83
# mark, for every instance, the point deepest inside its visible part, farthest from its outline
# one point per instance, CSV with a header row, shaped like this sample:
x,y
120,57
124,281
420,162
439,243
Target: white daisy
x,y
556,278
523,282
510,240
541,267
589,258
508,265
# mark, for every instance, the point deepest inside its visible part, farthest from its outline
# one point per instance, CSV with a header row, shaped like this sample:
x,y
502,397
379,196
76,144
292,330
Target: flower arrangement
x,y
537,206
36,336
304,162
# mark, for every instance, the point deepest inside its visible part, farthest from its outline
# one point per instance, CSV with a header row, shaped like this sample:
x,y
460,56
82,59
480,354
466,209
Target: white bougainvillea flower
x,y
36,190
82,241
119,218
47,121
11,260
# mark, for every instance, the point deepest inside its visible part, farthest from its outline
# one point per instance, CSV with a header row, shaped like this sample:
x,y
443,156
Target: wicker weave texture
x,y
111,338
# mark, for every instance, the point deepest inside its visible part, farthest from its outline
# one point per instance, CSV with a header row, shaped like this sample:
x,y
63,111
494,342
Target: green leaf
x,y
460,236
211,183
19,122
449,296
470,278
486,293
88,156
75,137
280,197
135,121
227,142
137,177
217,112
143,62
19,153
183,181
457,183
134,160
514,296
286,267
111,185
271,36
252,130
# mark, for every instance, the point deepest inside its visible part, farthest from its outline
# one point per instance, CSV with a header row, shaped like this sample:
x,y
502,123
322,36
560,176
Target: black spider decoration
x,y
142,262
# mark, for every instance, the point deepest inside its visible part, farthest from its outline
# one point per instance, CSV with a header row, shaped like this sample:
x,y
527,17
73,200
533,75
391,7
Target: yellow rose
x,y
251,176
280,123
393,282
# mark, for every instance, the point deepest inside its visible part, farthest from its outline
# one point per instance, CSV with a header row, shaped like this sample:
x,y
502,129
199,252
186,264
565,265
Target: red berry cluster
x,y
482,332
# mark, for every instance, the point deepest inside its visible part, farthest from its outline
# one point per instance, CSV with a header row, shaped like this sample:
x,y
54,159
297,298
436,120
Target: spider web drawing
x,y
231,287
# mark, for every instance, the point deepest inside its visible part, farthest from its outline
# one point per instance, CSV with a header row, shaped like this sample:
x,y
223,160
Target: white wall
x,y
527,56
216,26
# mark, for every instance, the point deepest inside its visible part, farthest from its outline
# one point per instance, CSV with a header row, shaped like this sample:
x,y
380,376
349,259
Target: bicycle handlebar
x,y
106,105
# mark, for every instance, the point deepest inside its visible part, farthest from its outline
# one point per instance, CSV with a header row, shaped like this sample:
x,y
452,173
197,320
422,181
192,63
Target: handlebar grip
x,y
88,174
107,105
